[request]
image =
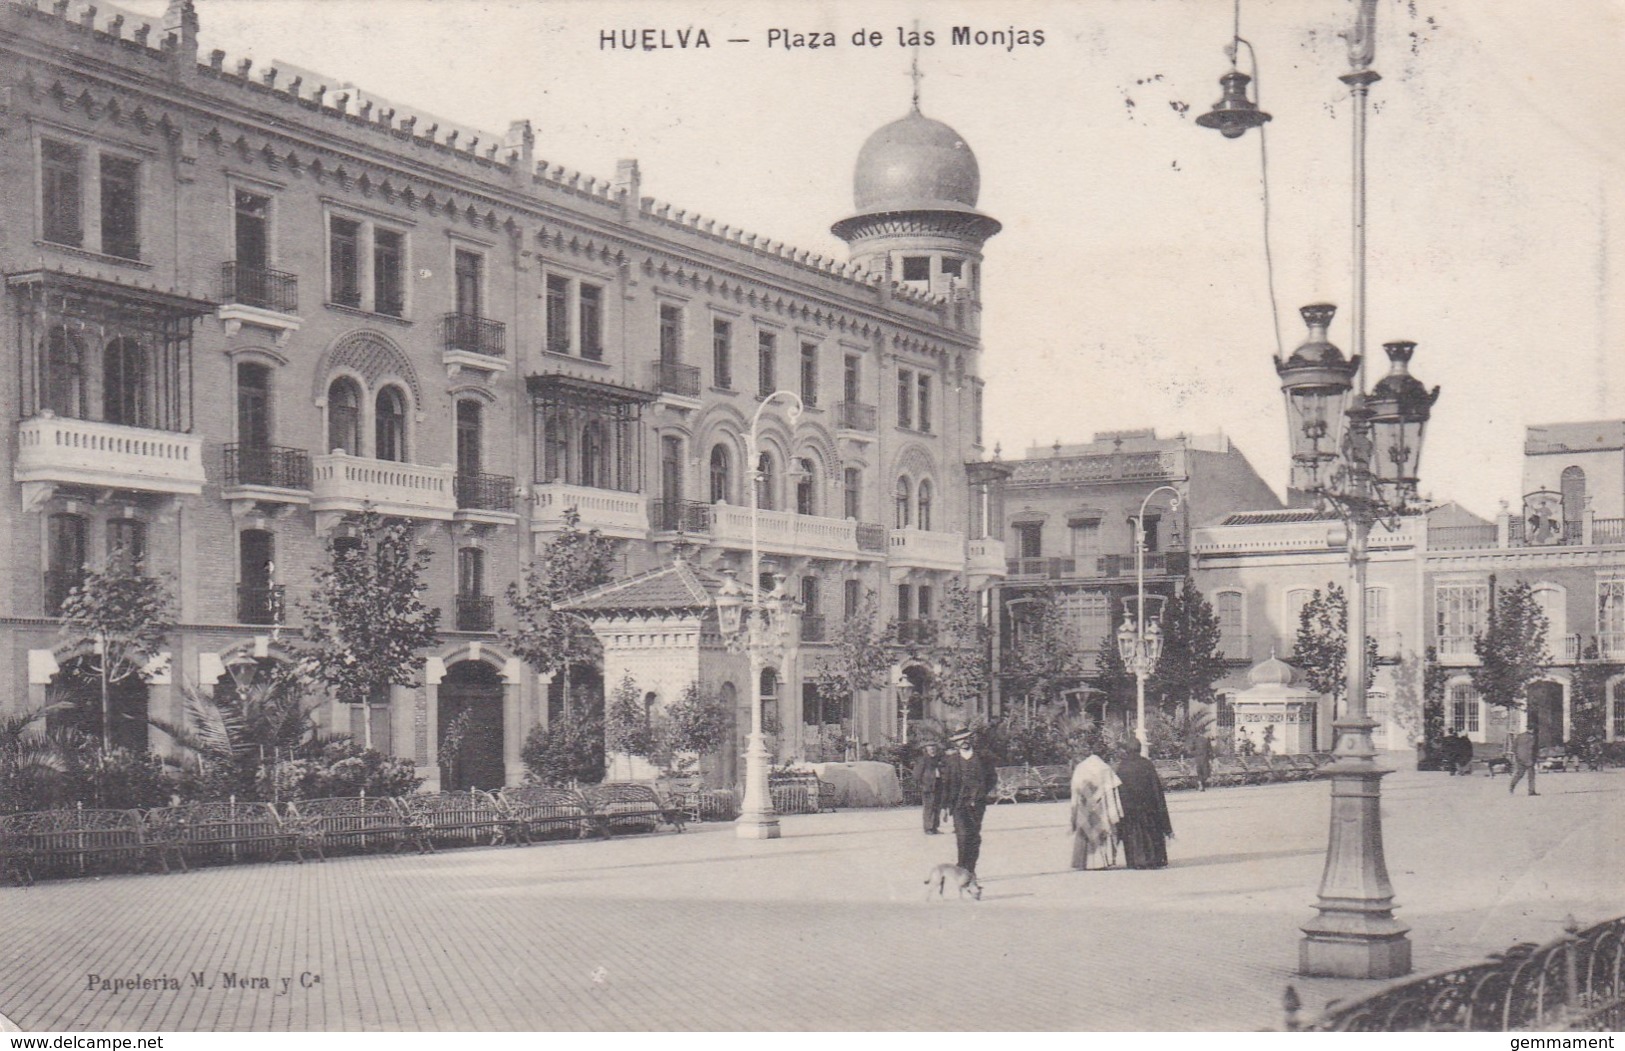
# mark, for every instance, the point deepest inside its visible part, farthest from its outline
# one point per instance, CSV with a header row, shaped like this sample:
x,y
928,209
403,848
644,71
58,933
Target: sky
x,y
1131,286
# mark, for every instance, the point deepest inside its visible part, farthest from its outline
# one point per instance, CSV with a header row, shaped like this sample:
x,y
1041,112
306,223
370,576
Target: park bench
x,y
1175,773
619,804
1228,770
1012,784
229,832
698,803
359,823
73,842
1264,769
538,811
800,792
460,818
1052,781
1304,767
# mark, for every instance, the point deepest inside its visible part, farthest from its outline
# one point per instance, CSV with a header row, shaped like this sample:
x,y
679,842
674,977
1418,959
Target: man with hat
x,y
928,776
968,776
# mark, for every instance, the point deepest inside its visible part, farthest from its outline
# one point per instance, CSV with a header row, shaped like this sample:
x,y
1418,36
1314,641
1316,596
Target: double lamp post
x,y
1139,640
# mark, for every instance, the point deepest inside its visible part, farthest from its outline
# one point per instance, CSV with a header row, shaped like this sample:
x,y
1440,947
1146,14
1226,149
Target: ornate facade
x,y
245,303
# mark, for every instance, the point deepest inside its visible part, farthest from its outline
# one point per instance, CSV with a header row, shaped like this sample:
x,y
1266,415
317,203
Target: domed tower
x,y
915,190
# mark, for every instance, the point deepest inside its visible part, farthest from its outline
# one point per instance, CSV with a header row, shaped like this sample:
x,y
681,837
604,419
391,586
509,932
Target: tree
x,y
693,726
626,729
1588,709
962,664
122,619
549,639
365,621
237,735
1512,650
1321,648
1043,659
1190,663
862,655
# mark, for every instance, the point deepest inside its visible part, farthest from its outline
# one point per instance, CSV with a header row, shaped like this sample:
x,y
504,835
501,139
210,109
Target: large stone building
x,y
244,302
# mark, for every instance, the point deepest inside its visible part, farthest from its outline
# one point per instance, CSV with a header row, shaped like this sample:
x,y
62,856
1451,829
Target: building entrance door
x,y
471,728
1545,713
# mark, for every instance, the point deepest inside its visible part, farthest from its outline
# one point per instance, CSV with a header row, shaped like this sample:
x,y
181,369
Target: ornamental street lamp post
x,y
1139,643
761,636
1355,454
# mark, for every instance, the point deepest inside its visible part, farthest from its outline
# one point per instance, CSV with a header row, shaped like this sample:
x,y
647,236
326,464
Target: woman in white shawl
x,y
1095,813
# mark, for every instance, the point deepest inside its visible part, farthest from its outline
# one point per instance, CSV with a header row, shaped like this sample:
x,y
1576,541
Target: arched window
x,y
721,482
922,503
344,416
594,456
806,487
124,383
1573,486
390,426
62,387
903,515
766,481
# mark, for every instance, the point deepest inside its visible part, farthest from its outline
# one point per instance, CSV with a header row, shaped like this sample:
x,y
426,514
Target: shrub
x,y
696,724
345,768
568,751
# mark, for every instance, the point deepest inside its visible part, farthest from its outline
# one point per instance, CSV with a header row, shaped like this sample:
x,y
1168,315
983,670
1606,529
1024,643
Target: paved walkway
x,y
824,929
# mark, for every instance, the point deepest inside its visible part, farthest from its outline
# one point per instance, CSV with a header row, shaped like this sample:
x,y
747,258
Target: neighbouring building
x,y
1069,514
245,302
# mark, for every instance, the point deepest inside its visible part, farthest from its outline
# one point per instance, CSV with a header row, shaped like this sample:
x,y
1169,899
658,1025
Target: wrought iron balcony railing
x,y
484,492
917,632
672,377
855,416
687,516
473,334
260,605
255,286
268,465
476,613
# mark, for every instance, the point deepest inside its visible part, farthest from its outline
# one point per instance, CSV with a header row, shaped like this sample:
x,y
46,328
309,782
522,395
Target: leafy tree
x,y
1321,649
1043,660
549,639
1512,650
696,724
122,618
1588,708
1190,663
366,622
626,729
862,655
236,736
566,751
962,663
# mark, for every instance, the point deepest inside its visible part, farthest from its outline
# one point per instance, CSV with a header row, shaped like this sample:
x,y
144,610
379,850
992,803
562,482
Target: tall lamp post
x,y
1356,454
1140,643
761,635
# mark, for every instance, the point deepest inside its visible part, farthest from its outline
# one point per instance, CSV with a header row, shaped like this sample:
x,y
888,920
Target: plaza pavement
x,y
826,928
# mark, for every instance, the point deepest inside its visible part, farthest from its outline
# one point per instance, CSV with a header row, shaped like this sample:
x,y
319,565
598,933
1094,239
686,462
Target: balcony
x,y
476,613
1611,645
58,582
812,627
257,296
1444,538
487,498
855,416
266,467
786,532
1044,568
917,632
610,511
342,484
55,451
473,342
680,516
984,559
925,549
677,383
261,605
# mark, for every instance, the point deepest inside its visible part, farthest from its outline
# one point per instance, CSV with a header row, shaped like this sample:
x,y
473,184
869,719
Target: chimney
x,y
520,143
629,188
180,22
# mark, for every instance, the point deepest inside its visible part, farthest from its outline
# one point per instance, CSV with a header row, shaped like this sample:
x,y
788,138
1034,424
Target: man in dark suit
x,y
928,775
968,776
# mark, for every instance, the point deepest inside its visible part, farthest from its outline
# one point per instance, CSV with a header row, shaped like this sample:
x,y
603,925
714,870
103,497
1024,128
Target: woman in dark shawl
x,y
1144,828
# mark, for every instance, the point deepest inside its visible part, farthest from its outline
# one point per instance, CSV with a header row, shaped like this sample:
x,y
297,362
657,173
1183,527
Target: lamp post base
x,y
1355,935
757,818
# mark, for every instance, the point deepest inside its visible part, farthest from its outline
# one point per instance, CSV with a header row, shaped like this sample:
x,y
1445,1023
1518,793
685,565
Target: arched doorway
x,y
470,720
1545,712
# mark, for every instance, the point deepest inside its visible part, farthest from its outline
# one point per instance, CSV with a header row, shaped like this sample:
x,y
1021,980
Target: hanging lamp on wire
x,y
1234,113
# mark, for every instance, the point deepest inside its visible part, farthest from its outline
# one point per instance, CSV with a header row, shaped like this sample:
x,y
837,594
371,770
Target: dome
x,y
1272,672
916,163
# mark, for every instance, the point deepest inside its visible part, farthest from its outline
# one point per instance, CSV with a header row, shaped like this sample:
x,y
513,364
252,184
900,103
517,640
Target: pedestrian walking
x,y
1096,812
1144,828
968,777
1202,758
928,775
1521,748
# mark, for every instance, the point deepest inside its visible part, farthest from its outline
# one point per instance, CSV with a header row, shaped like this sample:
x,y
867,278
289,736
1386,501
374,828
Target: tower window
x,y
953,267
916,268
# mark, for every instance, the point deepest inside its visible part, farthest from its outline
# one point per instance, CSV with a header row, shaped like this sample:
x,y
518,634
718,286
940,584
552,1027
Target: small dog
x,y
1498,765
941,877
